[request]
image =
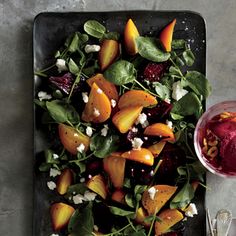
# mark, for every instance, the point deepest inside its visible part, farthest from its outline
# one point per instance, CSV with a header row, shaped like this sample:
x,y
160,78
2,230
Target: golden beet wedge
x,y
108,53
168,218
98,108
107,87
118,196
64,181
156,148
141,155
130,34
60,215
163,194
97,184
141,214
115,168
125,118
161,130
136,98
72,138
167,34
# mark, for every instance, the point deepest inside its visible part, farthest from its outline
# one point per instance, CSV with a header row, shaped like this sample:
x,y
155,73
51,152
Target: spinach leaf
x,y
62,112
94,28
74,42
120,212
187,105
149,49
189,57
183,197
198,83
120,72
162,91
103,146
129,200
111,35
178,44
73,67
82,222
77,189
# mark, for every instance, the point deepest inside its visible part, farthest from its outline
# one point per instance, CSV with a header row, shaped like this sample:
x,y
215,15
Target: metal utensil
x,y
209,223
223,222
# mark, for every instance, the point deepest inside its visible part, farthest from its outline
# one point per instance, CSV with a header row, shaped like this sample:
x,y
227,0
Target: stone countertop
x,y
16,17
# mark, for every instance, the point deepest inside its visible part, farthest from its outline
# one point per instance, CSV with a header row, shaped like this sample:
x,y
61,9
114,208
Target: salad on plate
x,y
119,112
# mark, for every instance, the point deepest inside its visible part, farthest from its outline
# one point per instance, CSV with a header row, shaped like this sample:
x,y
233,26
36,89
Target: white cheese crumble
x,y
134,129
61,65
104,130
96,112
78,198
191,210
85,97
113,103
178,91
92,48
89,196
44,96
99,91
54,172
142,119
82,180
51,185
54,235
95,227
89,131
152,192
137,143
169,123
55,156
81,148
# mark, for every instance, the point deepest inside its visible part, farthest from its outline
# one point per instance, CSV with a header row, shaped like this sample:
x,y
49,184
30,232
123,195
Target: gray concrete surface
x,y
16,134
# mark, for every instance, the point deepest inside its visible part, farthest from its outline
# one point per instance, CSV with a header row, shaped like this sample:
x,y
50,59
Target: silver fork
x,y
223,221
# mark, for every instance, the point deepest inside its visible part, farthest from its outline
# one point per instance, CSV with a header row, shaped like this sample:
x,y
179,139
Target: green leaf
x,y
189,57
77,189
112,35
174,71
45,167
179,62
162,90
74,44
178,44
139,189
176,116
183,197
103,146
62,112
42,104
82,222
49,157
94,28
127,183
120,212
129,200
75,41
187,105
120,72
198,83
149,48
73,67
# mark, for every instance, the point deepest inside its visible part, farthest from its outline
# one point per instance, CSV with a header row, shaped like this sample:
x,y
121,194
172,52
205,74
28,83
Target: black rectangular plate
x,y
50,31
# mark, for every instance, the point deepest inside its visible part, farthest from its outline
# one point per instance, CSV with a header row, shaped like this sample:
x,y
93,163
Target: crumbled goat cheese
x,y
89,196
152,192
54,235
167,100
51,185
55,156
137,143
78,198
191,210
89,131
82,180
81,148
44,96
178,91
85,97
142,119
95,227
92,48
54,172
61,65
134,129
99,91
169,123
113,103
104,130
96,112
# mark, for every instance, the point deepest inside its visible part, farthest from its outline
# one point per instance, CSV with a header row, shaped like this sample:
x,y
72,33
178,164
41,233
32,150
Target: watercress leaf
x,y
74,44
176,116
77,189
94,28
82,222
120,212
127,183
81,165
139,189
139,233
129,200
48,153
182,171
183,197
178,44
162,91
57,54
42,104
189,57
179,62
103,146
197,171
198,83
120,72
112,35
44,167
173,70
73,67
149,48
187,105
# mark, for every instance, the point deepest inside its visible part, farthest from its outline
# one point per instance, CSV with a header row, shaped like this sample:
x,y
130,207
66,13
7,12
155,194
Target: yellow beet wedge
x,y
141,214
72,138
168,218
107,87
130,34
136,98
156,148
125,118
98,108
97,185
163,194
64,181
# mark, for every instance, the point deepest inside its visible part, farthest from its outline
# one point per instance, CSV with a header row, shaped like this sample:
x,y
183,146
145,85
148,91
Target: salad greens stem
x,y
45,69
152,224
144,88
119,231
181,74
131,224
